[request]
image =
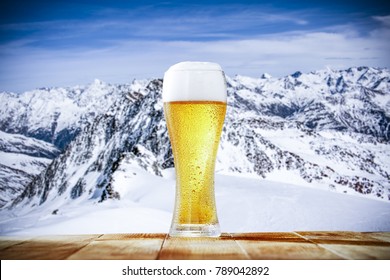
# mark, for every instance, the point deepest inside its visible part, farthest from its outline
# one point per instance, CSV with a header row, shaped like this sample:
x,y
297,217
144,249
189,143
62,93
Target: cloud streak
x,y
212,23
119,45
277,55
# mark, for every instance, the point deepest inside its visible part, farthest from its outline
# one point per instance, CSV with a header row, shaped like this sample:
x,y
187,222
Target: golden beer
x,y
194,96
194,129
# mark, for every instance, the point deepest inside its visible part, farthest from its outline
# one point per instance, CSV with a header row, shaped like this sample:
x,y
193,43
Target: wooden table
x,y
267,245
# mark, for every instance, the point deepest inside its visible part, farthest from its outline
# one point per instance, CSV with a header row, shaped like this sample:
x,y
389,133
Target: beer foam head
x,y
194,81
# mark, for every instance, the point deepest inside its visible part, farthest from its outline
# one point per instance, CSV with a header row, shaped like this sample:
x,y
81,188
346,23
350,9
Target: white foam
x,y
194,81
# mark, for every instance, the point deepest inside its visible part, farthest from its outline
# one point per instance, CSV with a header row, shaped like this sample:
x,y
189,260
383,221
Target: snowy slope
x,y
21,158
244,205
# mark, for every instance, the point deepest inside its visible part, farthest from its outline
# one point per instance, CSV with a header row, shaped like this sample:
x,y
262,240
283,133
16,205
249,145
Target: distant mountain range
x,y
327,129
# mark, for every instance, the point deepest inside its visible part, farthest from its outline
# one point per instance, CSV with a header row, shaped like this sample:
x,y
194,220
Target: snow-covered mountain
x,y
36,125
355,100
57,115
327,129
132,129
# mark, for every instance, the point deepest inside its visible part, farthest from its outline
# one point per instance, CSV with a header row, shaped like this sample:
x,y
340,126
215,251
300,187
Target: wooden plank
x,y
340,237
122,247
201,248
8,241
267,245
127,236
352,245
268,236
384,236
67,238
279,246
47,247
360,252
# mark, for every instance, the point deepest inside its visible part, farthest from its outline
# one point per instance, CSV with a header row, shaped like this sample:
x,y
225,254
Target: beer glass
x,y
194,96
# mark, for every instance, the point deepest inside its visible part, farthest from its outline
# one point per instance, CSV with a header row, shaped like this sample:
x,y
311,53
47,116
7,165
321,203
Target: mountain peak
x,y
266,76
297,74
97,82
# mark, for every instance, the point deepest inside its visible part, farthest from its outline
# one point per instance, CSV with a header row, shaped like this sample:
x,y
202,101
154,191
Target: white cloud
x,y
279,55
385,20
227,21
24,67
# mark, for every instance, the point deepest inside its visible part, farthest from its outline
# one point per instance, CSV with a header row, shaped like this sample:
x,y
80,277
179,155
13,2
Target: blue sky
x,y
64,43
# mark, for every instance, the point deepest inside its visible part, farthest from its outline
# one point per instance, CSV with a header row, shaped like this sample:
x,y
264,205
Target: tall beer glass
x,y
194,96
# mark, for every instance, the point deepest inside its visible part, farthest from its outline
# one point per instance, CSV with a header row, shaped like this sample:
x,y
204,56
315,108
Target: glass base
x,y
195,230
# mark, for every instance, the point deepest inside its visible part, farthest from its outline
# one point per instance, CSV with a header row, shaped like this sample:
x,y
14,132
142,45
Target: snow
x,y
244,204
28,164
20,144
249,82
22,153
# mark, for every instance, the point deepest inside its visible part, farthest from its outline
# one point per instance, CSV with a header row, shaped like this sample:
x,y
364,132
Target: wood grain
x,y
122,247
46,247
236,246
281,246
